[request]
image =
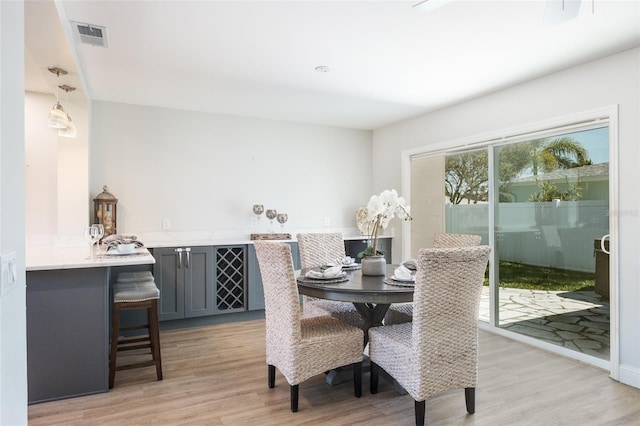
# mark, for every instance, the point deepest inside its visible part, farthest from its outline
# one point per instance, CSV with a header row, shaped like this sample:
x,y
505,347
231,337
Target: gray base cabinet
x,y
186,281
200,281
211,280
353,247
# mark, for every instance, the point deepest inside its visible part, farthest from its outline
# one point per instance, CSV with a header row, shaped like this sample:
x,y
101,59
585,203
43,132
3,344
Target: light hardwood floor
x,y
217,375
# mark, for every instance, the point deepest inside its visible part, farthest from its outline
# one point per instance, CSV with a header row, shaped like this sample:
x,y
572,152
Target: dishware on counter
x,y
92,236
125,248
120,245
100,231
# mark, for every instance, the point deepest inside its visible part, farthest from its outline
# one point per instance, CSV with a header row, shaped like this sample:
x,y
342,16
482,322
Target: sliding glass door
x,y
542,204
550,213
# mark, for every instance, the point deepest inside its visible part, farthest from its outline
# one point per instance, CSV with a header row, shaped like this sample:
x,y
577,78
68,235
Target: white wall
x,y
57,172
13,343
205,171
613,80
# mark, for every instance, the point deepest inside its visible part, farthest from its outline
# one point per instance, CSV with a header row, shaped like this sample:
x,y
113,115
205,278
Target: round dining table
x,y
371,295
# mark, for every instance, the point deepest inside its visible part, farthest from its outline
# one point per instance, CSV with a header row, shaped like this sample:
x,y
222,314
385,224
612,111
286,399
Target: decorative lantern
x,y
104,211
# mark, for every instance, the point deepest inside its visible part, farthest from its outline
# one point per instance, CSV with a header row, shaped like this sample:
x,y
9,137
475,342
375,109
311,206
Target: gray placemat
x,y
352,267
340,279
398,283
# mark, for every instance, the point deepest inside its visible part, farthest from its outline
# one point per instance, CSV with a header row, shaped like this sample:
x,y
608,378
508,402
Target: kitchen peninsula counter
x,y
68,305
43,258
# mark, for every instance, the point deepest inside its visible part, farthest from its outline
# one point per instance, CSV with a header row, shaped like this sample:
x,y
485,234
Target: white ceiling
x,y
389,61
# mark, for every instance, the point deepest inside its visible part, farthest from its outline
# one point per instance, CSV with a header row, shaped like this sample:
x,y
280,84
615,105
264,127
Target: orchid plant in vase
x,y
379,212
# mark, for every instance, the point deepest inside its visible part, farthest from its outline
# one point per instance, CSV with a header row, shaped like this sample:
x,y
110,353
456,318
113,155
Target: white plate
x,y
412,280
351,266
335,277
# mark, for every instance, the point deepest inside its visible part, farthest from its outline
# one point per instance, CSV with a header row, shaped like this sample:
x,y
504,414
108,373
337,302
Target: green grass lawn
x,y
518,275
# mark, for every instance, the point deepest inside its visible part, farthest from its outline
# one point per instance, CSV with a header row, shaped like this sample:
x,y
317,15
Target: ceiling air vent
x,y
94,35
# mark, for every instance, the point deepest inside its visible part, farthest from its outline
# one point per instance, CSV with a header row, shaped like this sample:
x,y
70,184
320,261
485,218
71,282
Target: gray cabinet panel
x,y
199,283
170,280
67,346
353,247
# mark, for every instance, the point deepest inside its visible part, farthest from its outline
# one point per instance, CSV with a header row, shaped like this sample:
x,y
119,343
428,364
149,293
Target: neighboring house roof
x,y
594,172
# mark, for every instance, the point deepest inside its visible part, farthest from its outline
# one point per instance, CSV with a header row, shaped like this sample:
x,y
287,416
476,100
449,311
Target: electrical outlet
x,y
327,221
166,224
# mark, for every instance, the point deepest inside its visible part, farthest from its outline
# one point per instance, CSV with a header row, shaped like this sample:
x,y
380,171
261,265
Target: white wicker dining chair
x,y
447,240
318,249
301,348
403,312
438,350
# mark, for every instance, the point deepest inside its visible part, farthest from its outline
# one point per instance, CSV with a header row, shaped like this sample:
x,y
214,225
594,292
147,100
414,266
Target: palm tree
x,y
559,153
466,174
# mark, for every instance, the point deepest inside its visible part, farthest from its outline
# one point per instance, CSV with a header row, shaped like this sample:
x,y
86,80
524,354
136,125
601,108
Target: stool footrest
x,y
135,327
128,340
136,365
134,347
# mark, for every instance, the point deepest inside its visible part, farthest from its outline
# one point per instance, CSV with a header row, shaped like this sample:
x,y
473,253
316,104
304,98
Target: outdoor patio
x,y
576,320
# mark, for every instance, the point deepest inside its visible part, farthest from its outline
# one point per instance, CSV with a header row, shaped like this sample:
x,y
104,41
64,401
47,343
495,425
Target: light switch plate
x,y
8,272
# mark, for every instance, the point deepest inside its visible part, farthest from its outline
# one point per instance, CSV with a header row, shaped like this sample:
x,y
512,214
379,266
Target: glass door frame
x,y
606,116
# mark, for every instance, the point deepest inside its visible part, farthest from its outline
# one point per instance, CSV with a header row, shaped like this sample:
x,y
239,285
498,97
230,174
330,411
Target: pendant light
x,y
58,119
70,130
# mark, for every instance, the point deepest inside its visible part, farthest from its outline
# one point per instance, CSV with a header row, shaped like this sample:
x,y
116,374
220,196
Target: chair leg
x,y
294,398
272,375
114,344
419,413
470,399
357,378
154,334
373,384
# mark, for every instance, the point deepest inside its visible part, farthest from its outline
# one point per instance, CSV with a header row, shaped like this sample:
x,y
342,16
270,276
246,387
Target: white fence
x,y
558,234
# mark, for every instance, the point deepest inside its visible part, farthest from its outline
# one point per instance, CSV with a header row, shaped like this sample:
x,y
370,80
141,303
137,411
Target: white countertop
x,y
43,258
193,239
64,253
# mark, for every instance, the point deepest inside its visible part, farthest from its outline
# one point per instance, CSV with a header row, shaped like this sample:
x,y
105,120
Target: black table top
x,y
359,289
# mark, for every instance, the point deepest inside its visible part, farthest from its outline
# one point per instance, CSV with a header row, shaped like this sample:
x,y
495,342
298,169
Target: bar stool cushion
x,y
128,277
135,291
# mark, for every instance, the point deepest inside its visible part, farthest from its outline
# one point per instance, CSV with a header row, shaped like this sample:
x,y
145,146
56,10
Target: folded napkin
x,y
348,261
331,272
410,264
113,240
402,273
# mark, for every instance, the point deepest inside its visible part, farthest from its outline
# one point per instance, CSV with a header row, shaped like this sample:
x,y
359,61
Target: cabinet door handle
x,y
179,251
188,259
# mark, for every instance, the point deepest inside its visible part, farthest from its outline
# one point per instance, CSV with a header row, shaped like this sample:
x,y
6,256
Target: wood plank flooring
x,y
217,375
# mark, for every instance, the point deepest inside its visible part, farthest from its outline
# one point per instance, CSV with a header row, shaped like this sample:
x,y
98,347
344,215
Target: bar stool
x,y
135,290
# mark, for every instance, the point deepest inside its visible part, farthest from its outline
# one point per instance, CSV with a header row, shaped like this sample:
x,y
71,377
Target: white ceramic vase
x,y
374,265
